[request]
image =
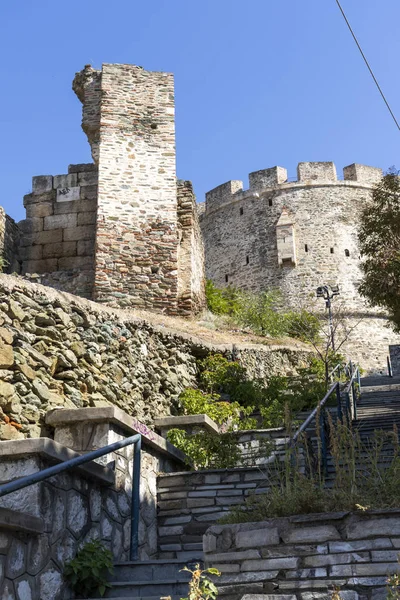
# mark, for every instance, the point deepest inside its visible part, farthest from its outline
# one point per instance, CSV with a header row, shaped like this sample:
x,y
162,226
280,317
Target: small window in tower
x,y
247,260
226,278
241,211
305,248
347,252
332,250
270,202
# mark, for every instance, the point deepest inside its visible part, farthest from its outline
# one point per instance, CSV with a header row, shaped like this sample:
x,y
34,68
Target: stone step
x,y
144,589
155,570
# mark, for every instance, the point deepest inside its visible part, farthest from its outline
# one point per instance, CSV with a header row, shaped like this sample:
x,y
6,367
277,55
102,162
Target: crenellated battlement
x,y
308,173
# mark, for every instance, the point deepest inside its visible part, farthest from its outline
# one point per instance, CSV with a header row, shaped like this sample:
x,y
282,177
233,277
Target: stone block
x,y
305,535
255,538
373,544
227,568
67,221
57,250
167,531
39,210
371,569
89,192
61,208
344,595
384,555
48,265
270,564
47,237
316,171
87,178
87,218
373,527
65,181
324,560
84,232
29,226
68,194
41,184
197,502
82,167
85,248
30,253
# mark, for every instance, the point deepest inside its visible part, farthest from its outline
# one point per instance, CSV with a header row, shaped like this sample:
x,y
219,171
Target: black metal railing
x,y
352,391
136,440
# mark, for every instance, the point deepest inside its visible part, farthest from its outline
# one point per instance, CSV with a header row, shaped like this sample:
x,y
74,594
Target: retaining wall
x,y
306,555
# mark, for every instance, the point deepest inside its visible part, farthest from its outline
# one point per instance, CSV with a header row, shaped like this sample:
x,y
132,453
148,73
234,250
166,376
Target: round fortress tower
x,y
296,236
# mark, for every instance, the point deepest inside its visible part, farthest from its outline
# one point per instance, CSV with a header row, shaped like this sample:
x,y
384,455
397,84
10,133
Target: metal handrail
x,y
389,366
23,482
350,394
321,404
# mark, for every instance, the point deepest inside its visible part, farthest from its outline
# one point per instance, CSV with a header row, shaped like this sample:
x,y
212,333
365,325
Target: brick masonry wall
x,y
9,243
306,555
58,234
239,229
191,281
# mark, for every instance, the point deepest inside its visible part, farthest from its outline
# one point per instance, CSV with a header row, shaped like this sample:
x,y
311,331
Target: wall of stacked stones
x,y
306,555
189,503
9,243
239,229
58,234
137,230
191,282
58,350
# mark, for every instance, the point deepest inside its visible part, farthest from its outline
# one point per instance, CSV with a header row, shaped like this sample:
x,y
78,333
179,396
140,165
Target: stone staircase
x,y
379,408
150,579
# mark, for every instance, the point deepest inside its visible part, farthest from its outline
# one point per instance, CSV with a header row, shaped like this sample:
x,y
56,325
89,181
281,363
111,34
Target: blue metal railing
x,y
136,440
351,394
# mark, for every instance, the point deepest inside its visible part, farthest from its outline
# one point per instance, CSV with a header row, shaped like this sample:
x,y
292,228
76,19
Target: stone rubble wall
x,y
191,282
307,555
58,234
58,350
240,239
9,243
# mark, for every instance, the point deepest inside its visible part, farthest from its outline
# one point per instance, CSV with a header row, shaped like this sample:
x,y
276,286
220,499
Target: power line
x,y
368,65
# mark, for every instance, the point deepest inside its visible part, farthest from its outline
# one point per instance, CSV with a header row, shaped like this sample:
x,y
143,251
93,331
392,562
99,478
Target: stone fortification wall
x,y
58,234
305,555
137,229
58,350
296,236
9,243
191,289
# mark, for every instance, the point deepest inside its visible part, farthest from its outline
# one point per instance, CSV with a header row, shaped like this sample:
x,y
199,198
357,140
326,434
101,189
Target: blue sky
x,y
258,82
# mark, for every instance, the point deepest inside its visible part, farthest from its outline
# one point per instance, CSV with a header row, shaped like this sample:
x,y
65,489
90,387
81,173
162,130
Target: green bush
x,y
262,313
207,450
196,402
87,572
221,301
303,325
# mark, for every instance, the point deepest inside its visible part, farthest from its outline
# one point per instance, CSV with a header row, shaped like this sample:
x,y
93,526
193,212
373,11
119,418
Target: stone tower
x,y
296,236
133,238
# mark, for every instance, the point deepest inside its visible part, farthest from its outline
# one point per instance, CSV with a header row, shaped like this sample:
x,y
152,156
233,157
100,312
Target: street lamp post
x,y
327,293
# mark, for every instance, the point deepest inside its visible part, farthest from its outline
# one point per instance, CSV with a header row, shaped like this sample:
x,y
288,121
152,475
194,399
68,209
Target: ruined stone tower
x,y
296,236
122,230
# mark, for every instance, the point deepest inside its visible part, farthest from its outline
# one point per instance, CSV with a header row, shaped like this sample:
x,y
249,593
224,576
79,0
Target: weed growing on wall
x,y
87,573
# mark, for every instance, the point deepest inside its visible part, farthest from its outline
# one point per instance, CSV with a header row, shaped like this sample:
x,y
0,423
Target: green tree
x,y
379,237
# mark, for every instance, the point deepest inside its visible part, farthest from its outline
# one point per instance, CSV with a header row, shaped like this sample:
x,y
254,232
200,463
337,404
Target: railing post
x,y
324,448
354,401
389,365
339,403
134,554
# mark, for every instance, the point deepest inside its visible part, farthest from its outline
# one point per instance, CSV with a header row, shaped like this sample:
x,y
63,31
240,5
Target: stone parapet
x,y
58,234
301,554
